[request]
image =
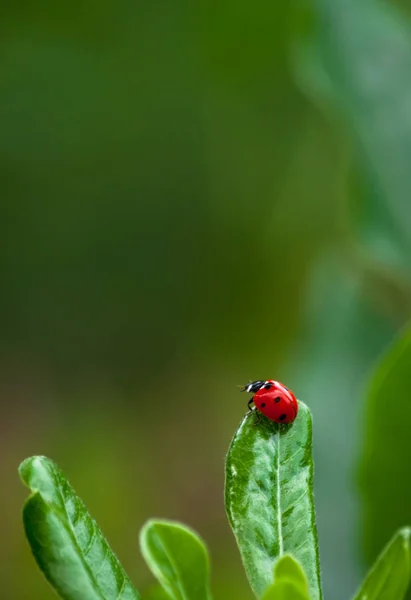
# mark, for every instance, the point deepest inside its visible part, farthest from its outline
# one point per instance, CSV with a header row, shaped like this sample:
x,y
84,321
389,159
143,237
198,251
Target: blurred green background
x,y
195,195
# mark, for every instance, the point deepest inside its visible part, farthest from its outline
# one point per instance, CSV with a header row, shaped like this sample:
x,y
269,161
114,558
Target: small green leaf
x,y
288,568
66,542
284,590
269,498
178,559
290,582
389,577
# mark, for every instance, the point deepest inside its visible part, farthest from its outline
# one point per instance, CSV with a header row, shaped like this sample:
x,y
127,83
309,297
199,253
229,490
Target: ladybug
x,y
273,400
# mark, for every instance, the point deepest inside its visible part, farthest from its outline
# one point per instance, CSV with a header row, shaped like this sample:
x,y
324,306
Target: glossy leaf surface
x,y
178,558
389,578
66,542
269,498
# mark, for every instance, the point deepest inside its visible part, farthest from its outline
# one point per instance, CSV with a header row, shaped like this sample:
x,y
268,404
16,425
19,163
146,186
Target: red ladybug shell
x,y
276,403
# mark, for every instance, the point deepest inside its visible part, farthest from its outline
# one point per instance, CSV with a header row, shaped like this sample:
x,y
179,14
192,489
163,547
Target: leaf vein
x,y
123,585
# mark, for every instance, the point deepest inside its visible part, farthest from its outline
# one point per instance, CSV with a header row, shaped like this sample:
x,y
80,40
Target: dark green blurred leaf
x,y
365,48
386,448
269,497
178,559
344,332
66,542
389,577
358,61
290,582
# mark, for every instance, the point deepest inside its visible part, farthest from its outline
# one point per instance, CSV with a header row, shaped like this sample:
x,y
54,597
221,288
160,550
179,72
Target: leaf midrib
x,y
280,523
72,533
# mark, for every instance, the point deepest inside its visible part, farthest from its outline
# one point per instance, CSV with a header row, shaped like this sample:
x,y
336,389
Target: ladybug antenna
x,y
243,387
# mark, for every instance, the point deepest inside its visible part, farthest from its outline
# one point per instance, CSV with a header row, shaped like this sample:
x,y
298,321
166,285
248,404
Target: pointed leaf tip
x,y
288,568
290,582
389,577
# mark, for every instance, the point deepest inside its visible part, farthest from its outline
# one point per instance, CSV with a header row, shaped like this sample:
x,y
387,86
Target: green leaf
x,y
290,582
288,568
341,338
365,47
386,448
389,578
66,542
156,592
284,590
178,558
269,497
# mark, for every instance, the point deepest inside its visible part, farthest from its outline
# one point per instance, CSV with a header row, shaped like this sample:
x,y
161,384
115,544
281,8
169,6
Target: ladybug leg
x,y
258,419
251,408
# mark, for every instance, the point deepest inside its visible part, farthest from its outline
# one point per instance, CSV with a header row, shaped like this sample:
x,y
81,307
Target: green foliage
x,y
386,447
355,64
290,582
76,559
148,110
330,377
389,577
365,48
177,558
269,501
66,542
156,592
269,497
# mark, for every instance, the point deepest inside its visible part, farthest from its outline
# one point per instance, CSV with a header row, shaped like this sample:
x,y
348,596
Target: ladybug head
x,y
254,386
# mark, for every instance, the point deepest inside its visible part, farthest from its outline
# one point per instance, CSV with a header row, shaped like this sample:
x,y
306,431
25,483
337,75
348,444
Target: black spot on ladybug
x,y
268,386
262,404
282,417
276,400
